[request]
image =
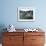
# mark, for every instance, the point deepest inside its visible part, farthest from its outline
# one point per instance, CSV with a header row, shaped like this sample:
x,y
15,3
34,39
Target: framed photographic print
x,y
26,14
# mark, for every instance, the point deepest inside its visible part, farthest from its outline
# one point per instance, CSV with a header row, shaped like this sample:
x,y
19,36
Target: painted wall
x,y
8,13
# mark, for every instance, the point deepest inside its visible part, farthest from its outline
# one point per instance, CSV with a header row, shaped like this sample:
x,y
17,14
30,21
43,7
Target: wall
x,y
8,13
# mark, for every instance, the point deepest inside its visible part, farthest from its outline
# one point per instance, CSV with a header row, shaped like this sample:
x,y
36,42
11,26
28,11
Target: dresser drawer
x,y
37,39
37,44
13,44
13,33
34,33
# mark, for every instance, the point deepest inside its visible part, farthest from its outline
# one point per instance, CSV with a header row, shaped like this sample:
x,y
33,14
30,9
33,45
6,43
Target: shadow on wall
x,y
2,26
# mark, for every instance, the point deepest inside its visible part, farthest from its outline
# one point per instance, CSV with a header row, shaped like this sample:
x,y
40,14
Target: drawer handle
x,y
33,39
11,38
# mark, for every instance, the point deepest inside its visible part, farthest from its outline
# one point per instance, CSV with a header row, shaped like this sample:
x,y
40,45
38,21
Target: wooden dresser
x,y
23,39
